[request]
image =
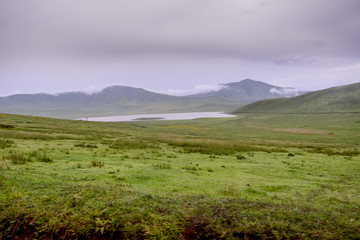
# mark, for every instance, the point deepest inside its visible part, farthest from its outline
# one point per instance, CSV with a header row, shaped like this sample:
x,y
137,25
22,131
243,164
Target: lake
x,y
153,117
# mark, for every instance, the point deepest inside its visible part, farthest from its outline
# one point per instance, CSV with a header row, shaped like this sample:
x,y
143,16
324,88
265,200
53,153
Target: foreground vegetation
x,y
252,177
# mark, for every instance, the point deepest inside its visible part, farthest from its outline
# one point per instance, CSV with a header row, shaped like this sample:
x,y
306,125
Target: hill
x,y
249,90
115,100
123,100
332,100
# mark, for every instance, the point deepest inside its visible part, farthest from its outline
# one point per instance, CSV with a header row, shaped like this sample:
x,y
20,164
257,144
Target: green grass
x,y
252,177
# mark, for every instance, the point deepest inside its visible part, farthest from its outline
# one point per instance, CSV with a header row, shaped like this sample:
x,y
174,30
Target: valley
x,y
123,100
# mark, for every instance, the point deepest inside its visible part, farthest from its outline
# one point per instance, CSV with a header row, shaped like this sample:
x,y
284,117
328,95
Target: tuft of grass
x,y
129,144
99,164
86,145
44,158
240,157
6,126
17,158
4,165
210,170
40,156
5,143
162,166
191,168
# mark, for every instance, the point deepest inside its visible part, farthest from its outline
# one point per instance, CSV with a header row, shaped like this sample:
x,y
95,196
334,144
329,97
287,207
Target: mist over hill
x,y
332,100
249,90
122,100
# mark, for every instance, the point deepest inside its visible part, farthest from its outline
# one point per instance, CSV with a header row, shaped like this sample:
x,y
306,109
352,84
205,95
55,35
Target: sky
x,y
178,46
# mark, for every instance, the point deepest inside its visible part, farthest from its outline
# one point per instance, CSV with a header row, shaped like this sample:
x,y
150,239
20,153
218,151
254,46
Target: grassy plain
x,y
257,176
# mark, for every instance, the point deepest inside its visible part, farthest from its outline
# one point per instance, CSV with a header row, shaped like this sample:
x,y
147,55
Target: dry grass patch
x,y
300,131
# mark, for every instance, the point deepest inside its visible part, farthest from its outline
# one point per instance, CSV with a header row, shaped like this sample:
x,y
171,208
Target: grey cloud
x,y
298,59
285,92
260,30
195,90
93,42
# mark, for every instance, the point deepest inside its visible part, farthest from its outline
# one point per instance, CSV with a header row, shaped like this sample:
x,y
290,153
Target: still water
x,y
167,116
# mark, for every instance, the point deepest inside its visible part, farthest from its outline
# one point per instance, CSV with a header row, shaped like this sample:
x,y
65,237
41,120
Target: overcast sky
x,y
177,46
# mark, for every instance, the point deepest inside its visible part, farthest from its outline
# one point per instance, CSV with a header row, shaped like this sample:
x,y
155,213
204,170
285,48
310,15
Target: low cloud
x,y
15,92
195,90
93,89
285,92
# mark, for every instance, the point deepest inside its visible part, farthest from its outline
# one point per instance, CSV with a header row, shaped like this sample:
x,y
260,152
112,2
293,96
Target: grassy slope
x,y
338,99
255,176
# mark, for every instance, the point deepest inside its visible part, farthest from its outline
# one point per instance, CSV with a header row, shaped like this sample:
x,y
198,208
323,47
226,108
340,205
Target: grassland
x,y
342,99
257,176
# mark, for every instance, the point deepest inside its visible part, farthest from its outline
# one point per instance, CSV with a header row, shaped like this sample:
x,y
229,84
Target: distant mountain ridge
x,y
340,99
249,90
123,100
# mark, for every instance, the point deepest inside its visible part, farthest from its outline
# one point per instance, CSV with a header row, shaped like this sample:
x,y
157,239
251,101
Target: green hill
x,y
333,100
